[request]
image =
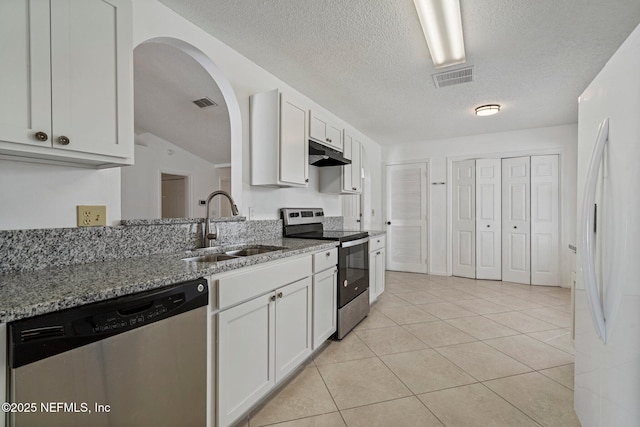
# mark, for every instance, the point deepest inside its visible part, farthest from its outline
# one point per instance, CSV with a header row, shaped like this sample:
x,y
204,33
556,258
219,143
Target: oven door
x,y
353,270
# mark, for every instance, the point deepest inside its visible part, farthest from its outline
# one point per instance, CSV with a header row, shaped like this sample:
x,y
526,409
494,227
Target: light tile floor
x,y
440,351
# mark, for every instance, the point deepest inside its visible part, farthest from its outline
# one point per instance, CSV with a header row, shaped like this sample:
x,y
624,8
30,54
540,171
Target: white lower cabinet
x,y
260,341
325,301
377,267
3,367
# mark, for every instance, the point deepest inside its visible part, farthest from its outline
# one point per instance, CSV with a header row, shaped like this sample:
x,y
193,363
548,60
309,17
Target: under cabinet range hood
x,y
320,155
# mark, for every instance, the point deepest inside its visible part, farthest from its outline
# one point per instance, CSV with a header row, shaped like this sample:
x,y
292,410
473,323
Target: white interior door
x,y
488,219
545,221
516,224
407,217
464,218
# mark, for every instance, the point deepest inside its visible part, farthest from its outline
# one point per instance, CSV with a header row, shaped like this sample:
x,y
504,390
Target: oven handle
x,y
354,242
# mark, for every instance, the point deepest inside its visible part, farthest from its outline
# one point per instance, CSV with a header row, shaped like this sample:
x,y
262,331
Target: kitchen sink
x,y
254,250
210,258
233,254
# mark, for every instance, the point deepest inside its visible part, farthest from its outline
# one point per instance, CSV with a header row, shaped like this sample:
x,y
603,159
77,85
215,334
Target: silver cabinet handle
x,y
272,298
328,254
280,294
63,140
41,136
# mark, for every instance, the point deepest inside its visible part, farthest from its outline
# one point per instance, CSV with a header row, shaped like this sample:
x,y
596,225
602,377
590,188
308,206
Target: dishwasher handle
x,y
37,338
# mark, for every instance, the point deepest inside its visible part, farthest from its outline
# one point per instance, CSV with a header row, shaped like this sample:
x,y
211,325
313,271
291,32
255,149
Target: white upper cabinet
x,y
66,86
324,131
279,141
345,179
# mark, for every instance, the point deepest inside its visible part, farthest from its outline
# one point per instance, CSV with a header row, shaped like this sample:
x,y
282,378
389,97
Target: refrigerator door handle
x,y
587,252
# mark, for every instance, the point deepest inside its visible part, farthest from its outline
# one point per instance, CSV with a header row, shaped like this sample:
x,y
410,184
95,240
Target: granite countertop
x,y
374,233
32,293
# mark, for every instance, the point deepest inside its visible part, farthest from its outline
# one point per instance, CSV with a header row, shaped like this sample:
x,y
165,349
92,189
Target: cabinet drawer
x,y
376,243
325,259
252,281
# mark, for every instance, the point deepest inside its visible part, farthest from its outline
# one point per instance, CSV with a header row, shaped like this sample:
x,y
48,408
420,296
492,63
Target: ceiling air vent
x,y
205,102
455,77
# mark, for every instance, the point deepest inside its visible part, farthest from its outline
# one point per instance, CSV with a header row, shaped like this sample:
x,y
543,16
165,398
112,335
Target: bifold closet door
x,y
516,220
488,219
545,227
464,218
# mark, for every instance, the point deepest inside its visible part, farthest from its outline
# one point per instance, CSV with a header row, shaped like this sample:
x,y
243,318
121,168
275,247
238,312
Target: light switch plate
x,y
91,216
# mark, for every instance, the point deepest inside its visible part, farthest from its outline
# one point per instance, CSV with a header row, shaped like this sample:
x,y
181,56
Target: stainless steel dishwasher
x,y
135,361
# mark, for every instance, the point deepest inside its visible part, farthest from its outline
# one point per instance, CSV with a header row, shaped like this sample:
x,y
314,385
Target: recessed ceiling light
x,y
487,110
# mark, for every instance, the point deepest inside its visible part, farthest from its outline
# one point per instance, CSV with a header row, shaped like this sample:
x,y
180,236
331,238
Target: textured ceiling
x,y
166,81
368,62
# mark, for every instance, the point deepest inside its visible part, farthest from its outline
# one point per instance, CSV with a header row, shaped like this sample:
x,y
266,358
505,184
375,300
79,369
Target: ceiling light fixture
x,y
487,110
442,26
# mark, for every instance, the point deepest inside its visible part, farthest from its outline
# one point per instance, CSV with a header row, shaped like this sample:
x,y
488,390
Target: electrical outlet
x,y
91,216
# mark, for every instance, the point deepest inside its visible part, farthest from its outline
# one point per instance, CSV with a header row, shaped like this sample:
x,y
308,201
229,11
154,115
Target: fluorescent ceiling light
x,y
487,110
442,26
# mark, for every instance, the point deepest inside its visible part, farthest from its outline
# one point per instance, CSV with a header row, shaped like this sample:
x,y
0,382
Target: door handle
x,y
587,248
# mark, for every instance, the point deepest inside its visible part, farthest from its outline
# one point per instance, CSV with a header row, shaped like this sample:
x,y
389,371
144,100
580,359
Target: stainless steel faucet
x,y
208,235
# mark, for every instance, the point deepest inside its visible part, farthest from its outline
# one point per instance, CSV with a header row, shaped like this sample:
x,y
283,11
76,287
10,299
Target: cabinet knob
x,y
515,226
354,188
306,180
378,253
328,254
272,298
388,222
488,226
280,294
41,136
63,140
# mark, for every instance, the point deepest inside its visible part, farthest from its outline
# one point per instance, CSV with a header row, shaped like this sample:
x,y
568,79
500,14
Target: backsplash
x,y
26,250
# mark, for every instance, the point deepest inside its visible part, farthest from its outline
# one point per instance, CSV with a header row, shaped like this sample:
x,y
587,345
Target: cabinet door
x,y
376,273
3,367
25,79
325,300
317,128
293,326
246,348
347,186
380,271
356,166
294,143
372,277
334,136
91,66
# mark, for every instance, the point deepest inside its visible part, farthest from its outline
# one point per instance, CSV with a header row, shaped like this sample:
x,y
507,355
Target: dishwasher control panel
x,y
136,315
35,338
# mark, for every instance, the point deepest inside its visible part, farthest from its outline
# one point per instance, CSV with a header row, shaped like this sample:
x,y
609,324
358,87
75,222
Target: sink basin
x,y
210,258
254,251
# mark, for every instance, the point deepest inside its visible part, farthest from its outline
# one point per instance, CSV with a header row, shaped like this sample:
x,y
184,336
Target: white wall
x,y
439,153
21,202
33,195
141,189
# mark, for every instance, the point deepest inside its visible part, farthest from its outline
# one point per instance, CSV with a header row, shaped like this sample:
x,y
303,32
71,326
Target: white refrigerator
x,y
607,294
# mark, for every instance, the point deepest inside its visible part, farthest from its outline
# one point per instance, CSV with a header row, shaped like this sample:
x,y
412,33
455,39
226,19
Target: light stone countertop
x,y
27,294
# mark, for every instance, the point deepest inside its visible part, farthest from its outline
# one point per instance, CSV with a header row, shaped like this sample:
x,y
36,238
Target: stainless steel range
x,y
353,262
